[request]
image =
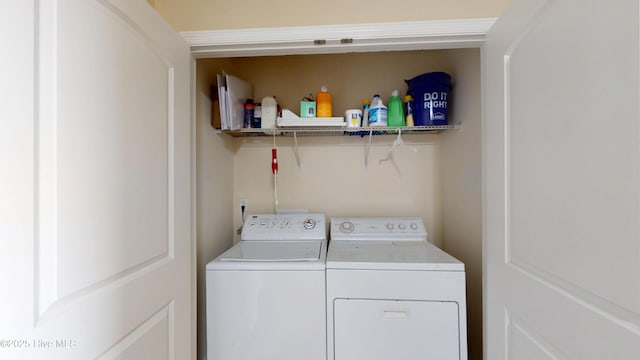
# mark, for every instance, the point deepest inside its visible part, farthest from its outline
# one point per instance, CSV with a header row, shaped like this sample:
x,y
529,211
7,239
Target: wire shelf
x,y
340,131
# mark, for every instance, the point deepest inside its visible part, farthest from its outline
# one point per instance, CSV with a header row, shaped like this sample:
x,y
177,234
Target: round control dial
x,y
309,224
346,227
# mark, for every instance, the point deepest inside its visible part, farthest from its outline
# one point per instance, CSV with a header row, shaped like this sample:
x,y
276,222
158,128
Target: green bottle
x,y
395,113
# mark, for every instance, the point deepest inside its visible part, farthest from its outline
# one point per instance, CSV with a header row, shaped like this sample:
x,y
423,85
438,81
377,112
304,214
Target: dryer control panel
x,y
381,229
284,227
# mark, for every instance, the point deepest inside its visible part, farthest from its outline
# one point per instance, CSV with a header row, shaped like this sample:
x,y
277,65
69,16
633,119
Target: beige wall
x,y
332,178
462,188
214,167
436,177
186,15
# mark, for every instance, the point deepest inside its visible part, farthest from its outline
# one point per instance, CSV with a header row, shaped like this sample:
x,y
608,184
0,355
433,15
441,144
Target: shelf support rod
x,y
367,145
295,148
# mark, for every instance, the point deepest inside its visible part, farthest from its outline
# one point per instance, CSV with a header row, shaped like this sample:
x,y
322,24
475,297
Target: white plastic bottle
x,y
269,112
377,112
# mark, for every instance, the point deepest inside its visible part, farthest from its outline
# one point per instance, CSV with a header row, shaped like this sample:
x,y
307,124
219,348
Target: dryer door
x,y
367,329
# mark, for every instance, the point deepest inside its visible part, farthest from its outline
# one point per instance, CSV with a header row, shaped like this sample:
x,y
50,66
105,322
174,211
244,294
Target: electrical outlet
x,y
245,203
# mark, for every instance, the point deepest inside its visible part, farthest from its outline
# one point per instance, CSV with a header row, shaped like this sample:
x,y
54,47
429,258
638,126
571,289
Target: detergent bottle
x,y
377,112
395,115
323,103
408,109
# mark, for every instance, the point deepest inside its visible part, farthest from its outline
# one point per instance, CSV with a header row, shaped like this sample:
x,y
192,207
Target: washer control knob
x,y
309,224
346,227
402,226
390,226
414,226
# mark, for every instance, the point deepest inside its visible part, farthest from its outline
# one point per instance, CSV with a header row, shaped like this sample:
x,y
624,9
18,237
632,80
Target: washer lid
x,y
273,251
272,255
390,255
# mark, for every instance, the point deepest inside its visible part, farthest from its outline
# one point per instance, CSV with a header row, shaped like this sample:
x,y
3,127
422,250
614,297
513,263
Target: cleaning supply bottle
x,y
249,108
377,112
408,109
257,116
323,103
269,112
365,112
395,115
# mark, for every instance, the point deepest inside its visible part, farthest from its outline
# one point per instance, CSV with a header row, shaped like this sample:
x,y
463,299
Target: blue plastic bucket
x,y
430,94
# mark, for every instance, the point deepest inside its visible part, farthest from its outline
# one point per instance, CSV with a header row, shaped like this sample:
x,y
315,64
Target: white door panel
x,y
111,154
562,171
108,265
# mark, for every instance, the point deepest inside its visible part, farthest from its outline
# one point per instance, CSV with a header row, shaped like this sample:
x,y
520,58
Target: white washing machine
x,y
391,294
266,295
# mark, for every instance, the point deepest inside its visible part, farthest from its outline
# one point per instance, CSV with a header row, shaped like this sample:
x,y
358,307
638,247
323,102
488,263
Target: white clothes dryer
x,y
391,294
266,295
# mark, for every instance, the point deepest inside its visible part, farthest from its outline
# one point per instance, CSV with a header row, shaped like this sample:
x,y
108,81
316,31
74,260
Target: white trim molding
x,y
326,39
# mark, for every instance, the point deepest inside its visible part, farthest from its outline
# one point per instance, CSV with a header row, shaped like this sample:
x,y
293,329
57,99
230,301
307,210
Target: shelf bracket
x,y
367,146
295,148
